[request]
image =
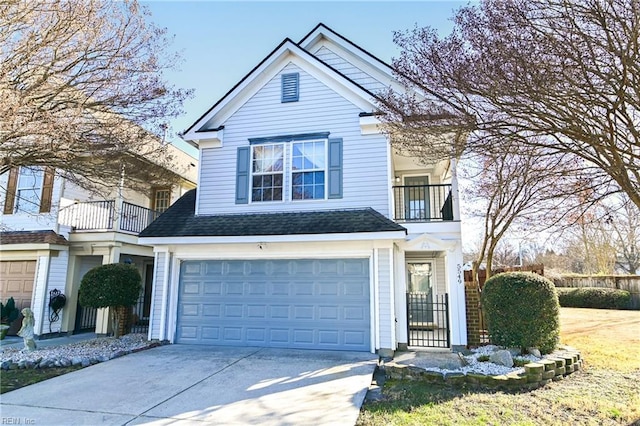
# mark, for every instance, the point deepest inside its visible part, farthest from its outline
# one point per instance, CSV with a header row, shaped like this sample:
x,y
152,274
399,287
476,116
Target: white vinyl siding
x,y
348,69
56,280
320,109
156,301
386,316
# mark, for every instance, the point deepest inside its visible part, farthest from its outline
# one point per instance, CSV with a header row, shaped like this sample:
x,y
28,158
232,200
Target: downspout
x,y
45,304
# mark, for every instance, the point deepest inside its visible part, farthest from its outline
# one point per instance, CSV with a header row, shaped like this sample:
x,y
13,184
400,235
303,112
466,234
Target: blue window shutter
x,y
335,168
242,175
290,87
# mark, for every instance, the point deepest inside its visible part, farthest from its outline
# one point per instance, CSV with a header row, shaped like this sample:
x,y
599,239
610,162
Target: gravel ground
x,y
82,353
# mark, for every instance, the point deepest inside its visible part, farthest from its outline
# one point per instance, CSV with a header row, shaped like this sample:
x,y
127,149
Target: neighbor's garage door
x,y
307,304
16,280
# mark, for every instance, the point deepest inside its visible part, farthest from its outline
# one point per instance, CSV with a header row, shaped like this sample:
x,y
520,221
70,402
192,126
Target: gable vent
x,y
290,87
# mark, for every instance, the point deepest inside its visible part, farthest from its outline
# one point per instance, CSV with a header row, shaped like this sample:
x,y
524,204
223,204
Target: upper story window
x,y
308,170
29,190
161,199
289,168
290,87
267,172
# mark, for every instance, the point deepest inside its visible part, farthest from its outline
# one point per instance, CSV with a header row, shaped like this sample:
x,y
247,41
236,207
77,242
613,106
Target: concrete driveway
x,y
179,384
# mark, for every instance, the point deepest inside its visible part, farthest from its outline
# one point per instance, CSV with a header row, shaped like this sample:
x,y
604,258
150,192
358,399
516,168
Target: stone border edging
x,y
536,374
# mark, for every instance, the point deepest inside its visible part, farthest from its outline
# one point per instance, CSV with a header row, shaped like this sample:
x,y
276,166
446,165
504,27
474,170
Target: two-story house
x,y
308,229
53,231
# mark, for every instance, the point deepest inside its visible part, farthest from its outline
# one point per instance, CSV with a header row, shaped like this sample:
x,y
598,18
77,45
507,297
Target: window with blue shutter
x,y
290,87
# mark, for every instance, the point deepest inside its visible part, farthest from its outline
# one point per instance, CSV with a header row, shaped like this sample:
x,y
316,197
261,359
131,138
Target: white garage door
x,y
297,303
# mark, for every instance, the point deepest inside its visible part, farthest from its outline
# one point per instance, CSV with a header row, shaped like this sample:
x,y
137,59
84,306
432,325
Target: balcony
x,y
104,216
423,203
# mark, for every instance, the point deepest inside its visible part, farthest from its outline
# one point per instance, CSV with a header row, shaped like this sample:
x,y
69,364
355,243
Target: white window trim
x,y
325,170
37,187
284,173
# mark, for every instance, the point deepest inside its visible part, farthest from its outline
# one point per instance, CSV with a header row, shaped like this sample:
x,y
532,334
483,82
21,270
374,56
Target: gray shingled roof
x,y
179,221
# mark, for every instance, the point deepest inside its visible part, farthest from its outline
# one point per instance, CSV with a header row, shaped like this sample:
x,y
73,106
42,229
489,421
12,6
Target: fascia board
x,y
33,247
298,238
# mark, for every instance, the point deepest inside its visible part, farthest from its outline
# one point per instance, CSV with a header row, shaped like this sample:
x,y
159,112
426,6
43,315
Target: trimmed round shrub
x,y
591,297
116,284
112,285
521,310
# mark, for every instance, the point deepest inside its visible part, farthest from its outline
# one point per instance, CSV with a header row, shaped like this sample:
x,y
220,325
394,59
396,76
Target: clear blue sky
x,y
221,41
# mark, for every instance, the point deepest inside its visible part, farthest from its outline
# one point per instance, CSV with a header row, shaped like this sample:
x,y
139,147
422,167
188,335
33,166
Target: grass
x,y
606,392
15,379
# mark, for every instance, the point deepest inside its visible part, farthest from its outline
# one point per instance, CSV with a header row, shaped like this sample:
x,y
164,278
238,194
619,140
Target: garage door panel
x,y
275,303
17,280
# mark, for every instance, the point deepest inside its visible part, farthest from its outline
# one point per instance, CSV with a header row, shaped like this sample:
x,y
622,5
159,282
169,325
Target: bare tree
x,y
625,225
559,75
528,190
82,90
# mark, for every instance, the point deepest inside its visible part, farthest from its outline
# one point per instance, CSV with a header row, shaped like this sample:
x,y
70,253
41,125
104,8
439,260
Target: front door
x,y
420,289
416,198
427,311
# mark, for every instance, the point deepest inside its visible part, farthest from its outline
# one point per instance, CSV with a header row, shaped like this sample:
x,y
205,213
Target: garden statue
x,y
26,331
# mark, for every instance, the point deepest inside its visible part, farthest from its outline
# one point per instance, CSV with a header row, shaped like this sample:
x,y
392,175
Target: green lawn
x,y
606,392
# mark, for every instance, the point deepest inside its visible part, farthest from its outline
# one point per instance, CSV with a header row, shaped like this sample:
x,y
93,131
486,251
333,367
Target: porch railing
x,y
423,203
104,216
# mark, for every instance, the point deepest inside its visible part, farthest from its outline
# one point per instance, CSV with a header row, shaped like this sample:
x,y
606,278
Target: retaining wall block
x,y
548,364
535,377
476,378
548,374
498,381
533,368
559,362
455,378
433,376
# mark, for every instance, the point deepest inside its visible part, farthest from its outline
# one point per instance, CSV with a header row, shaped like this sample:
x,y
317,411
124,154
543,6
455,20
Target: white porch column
x,y
457,307
455,195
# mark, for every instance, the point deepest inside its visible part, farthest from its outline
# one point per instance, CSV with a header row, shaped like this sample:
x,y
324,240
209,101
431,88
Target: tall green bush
x,y
111,286
522,310
592,297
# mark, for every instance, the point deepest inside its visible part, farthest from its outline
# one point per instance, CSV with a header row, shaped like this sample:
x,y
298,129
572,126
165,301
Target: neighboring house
x,y
307,229
53,232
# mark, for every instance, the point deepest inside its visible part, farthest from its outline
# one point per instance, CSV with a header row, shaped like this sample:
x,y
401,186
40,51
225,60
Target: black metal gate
x,y
142,309
428,320
85,319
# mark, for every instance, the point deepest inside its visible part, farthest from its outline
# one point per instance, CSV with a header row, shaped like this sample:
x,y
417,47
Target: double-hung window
x,y
308,170
267,172
29,189
291,168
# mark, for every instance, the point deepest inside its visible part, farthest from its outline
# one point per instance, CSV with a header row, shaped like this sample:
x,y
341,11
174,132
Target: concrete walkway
x,y
18,342
198,385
